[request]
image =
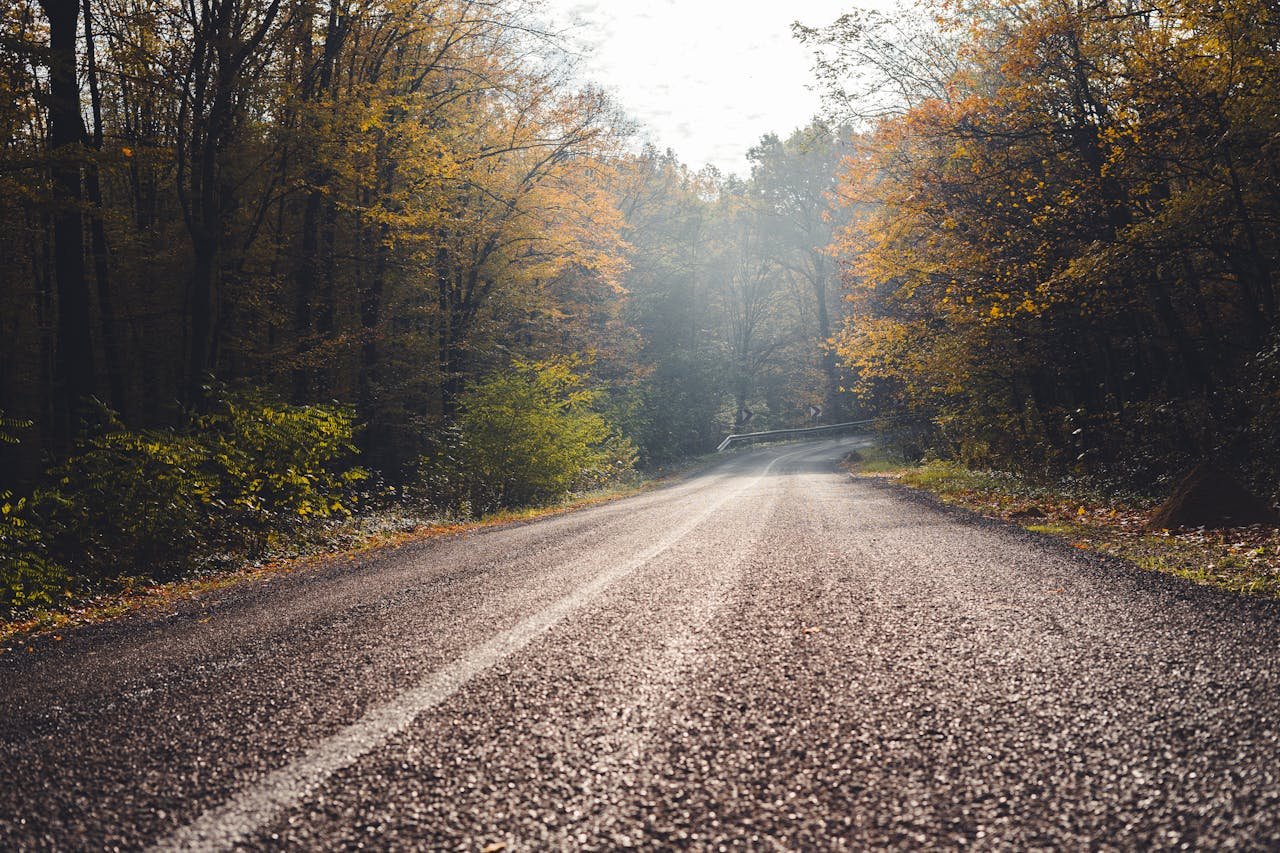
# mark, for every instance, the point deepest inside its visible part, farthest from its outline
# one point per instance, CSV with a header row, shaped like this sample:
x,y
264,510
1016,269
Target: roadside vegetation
x,y
1065,257
271,269
1092,517
235,483
256,481
82,601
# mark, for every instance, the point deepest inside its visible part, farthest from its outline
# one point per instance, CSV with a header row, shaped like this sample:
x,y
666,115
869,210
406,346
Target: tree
x,y
230,49
795,180
74,369
528,435
1058,254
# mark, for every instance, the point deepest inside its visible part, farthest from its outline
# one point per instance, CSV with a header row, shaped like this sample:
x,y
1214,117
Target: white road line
x,y
254,808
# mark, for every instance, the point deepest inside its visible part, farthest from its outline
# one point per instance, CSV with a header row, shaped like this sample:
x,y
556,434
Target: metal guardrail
x,y
800,431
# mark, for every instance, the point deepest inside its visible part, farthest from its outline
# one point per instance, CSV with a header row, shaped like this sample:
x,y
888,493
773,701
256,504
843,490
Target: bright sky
x,y
706,78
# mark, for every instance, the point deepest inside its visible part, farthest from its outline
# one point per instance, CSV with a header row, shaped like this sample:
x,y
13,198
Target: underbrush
x,y
1093,517
338,538
1006,490
136,515
528,436
249,477
252,480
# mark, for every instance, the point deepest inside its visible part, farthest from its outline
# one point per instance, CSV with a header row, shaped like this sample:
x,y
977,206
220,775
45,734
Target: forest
x,y
270,263
1065,258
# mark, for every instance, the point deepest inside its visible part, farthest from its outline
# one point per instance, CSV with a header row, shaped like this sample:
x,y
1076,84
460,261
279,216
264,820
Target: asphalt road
x,y
768,655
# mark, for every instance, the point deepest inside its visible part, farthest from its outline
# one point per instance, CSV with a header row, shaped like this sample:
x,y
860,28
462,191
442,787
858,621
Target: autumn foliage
x,y
1065,250
253,250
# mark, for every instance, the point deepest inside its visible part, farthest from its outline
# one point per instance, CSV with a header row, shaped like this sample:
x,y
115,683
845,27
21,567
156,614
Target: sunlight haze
x,y
706,79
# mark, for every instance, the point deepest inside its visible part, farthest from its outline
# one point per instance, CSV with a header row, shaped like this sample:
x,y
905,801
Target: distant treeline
x,y
1067,250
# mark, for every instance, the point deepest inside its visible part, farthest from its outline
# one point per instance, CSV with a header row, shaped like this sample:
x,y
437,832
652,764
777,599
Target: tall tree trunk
x,y
200,345
369,377
829,362
305,278
444,358
45,312
1259,266
225,50
101,265
315,269
73,359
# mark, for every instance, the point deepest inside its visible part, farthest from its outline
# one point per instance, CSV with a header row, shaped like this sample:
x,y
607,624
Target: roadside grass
x,y
874,460
323,545
1242,559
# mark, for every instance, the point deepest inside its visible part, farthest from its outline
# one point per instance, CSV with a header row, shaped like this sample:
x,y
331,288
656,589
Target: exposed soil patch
x,y
1209,497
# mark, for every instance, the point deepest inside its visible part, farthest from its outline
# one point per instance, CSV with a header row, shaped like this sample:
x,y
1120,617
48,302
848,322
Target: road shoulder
x,y
1105,529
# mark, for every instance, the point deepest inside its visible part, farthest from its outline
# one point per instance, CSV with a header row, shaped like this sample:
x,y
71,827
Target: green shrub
x,y
279,466
524,436
155,502
615,462
27,576
132,502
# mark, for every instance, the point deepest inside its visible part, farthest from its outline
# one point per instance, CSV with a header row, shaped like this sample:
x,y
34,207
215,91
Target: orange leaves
x,y
969,202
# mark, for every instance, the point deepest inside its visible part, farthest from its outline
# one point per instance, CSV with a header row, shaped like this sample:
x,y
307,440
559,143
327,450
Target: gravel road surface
x,y
768,655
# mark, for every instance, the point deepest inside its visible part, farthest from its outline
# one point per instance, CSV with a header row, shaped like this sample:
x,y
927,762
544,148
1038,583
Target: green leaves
x,y
527,435
276,462
155,502
27,576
